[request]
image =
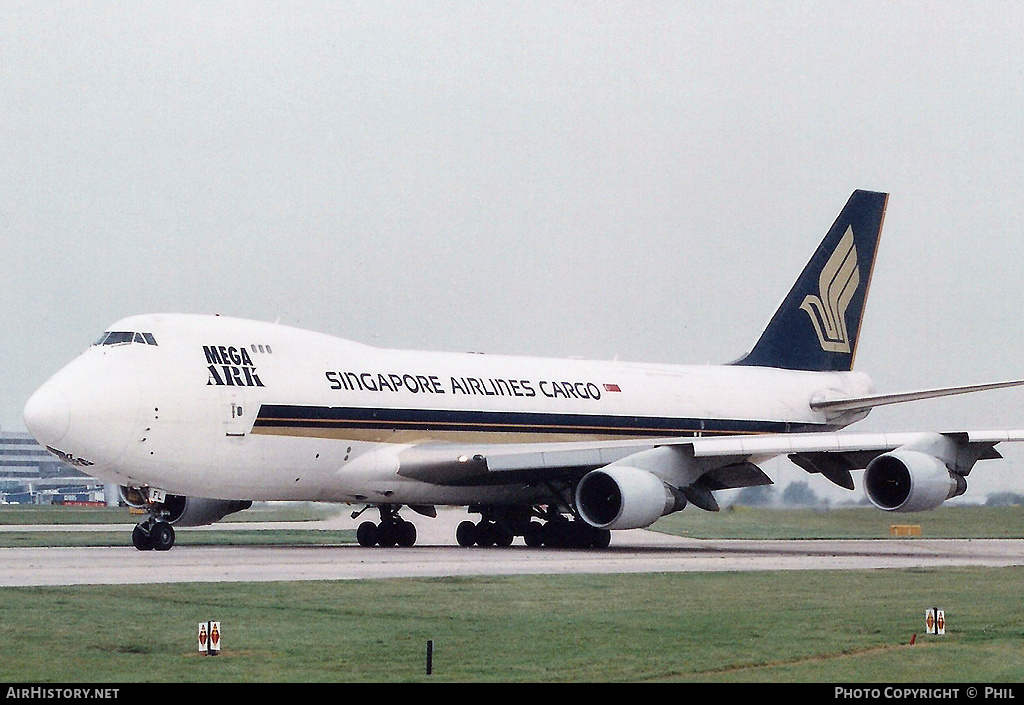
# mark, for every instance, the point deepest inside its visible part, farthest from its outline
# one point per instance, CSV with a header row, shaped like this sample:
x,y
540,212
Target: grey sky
x,y
632,180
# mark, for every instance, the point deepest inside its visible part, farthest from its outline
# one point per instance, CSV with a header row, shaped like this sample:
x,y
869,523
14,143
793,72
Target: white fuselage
x,y
233,409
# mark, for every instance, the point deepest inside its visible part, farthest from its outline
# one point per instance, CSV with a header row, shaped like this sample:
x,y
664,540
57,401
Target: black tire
x,y
502,536
602,538
485,534
466,534
366,534
141,539
534,534
162,536
554,534
406,531
387,534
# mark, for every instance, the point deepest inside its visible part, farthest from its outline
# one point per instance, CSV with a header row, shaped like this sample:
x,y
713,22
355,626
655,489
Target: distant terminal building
x,y
29,474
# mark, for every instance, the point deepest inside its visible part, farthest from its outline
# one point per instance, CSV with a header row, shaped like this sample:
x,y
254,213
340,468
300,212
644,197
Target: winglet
x,y
817,326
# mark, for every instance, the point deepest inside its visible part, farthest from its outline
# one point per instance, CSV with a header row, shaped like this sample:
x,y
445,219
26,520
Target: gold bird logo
x,y
837,284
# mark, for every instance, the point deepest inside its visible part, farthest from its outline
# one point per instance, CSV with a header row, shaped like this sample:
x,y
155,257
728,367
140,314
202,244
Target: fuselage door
x,y
237,417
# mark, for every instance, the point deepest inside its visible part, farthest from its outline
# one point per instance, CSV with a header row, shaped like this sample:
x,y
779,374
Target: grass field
x,y
808,626
740,522
965,521
59,514
44,515
782,627
735,523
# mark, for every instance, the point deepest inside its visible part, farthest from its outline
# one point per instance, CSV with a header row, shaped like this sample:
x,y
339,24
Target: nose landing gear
x,y
153,535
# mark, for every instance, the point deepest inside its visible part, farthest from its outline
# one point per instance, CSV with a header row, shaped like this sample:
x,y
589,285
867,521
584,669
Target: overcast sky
x,y
640,180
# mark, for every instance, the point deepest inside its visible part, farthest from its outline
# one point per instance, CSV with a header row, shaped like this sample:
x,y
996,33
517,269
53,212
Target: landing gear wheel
x,y
162,536
406,534
485,534
553,534
534,534
141,538
387,536
391,531
366,534
548,527
601,539
502,537
569,534
465,534
153,535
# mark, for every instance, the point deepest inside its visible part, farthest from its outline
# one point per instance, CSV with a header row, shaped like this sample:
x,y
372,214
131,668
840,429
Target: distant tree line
x,y
795,494
1004,499
800,494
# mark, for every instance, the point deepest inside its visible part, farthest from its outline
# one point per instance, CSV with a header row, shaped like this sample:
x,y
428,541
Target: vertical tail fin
x,y
818,323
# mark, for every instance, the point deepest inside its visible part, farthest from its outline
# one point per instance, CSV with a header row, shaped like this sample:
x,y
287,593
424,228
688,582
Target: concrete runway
x,y
436,554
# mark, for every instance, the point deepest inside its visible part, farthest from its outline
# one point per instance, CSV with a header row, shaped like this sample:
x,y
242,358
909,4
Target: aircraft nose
x,y
47,414
88,410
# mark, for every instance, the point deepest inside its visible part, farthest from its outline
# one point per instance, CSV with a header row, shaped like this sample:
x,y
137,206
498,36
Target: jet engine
x,y
910,481
621,497
180,510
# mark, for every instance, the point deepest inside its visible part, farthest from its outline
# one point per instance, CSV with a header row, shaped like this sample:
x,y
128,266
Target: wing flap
x,y
733,476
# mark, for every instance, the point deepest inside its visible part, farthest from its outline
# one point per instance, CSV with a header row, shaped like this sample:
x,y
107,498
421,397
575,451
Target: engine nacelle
x,y
180,510
910,481
199,511
621,497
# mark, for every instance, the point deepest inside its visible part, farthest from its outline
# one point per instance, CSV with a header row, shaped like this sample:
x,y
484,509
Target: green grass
x,y
806,626
183,537
832,626
59,514
48,515
846,523
734,523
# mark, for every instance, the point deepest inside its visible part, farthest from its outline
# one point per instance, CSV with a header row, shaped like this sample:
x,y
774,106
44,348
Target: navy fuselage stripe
x,y
322,417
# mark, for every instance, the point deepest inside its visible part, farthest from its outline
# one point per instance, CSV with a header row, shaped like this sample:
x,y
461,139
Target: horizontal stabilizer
x,y
869,402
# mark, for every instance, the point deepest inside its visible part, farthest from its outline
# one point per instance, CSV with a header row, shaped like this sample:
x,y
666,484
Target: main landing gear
x,y
153,535
499,526
392,530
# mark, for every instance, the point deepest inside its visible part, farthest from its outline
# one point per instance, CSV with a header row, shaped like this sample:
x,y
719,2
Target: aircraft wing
x,y
703,463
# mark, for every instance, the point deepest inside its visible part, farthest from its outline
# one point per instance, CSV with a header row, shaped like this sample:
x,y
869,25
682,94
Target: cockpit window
x,y
116,338
125,337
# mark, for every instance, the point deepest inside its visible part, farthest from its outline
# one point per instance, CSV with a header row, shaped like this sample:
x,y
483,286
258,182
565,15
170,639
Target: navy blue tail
x,y
818,324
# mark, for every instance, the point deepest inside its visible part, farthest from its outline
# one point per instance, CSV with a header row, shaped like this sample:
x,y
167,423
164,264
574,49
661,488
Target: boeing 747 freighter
x,y
197,416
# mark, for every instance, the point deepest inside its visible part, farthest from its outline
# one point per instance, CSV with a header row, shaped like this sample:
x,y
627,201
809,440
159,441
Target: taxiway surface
x,y
436,554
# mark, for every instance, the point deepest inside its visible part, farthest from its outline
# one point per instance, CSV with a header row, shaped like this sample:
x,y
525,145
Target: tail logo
x,y
837,284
